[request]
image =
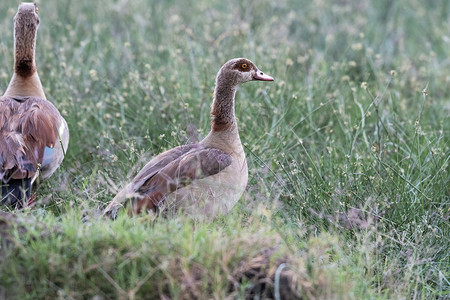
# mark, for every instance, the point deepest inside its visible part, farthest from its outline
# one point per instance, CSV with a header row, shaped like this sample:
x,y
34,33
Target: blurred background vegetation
x,y
348,149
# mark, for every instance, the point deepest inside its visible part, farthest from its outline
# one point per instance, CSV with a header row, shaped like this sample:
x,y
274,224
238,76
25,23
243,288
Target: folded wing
x,y
28,134
168,172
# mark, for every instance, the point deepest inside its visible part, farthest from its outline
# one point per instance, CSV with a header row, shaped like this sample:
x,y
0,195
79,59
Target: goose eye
x,y
244,66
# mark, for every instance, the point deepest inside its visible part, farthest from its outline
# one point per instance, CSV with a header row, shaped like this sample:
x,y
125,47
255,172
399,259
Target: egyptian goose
x,y
203,179
33,135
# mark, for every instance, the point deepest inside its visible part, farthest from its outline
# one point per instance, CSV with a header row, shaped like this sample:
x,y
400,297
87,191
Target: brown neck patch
x,y
219,126
25,68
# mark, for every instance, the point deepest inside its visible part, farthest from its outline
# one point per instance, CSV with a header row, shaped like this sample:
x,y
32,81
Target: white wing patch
x,y
62,127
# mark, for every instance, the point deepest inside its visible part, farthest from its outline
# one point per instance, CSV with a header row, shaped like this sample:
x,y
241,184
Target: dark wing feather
x,y
148,171
27,126
196,164
159,162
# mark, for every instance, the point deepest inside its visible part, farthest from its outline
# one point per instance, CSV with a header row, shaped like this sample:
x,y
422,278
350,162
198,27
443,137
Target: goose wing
x,y
168,172
28,134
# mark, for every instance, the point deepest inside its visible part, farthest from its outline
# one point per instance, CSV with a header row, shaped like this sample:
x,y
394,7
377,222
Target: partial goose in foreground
x,y
203,179
33,134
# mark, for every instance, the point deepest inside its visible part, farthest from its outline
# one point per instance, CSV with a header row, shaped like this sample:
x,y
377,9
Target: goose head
x,y
26,17
240,70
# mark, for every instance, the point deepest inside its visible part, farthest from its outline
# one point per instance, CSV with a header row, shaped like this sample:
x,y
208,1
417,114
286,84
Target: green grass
x,y
348,149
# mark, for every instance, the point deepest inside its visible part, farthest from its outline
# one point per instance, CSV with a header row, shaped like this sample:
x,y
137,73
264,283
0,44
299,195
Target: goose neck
x,y
222,110
24,49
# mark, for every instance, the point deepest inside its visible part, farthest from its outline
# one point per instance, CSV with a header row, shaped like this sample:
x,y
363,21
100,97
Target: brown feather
x,y
27,126
25,68
160,161
196,164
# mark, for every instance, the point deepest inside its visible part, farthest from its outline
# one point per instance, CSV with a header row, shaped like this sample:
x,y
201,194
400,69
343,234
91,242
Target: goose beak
x,y
259,75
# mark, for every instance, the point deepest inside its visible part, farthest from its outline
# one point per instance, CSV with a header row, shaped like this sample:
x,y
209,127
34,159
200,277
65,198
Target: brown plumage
x,y
27,126
197,163
203,179
33,135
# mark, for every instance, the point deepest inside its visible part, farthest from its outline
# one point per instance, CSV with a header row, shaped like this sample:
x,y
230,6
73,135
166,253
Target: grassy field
x,y
348,150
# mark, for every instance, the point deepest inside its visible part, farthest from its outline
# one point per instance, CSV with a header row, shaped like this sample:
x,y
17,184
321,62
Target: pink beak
x,y
261,76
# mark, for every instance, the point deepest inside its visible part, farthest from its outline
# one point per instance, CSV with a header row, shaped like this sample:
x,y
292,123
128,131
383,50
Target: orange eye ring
x,y
244,66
